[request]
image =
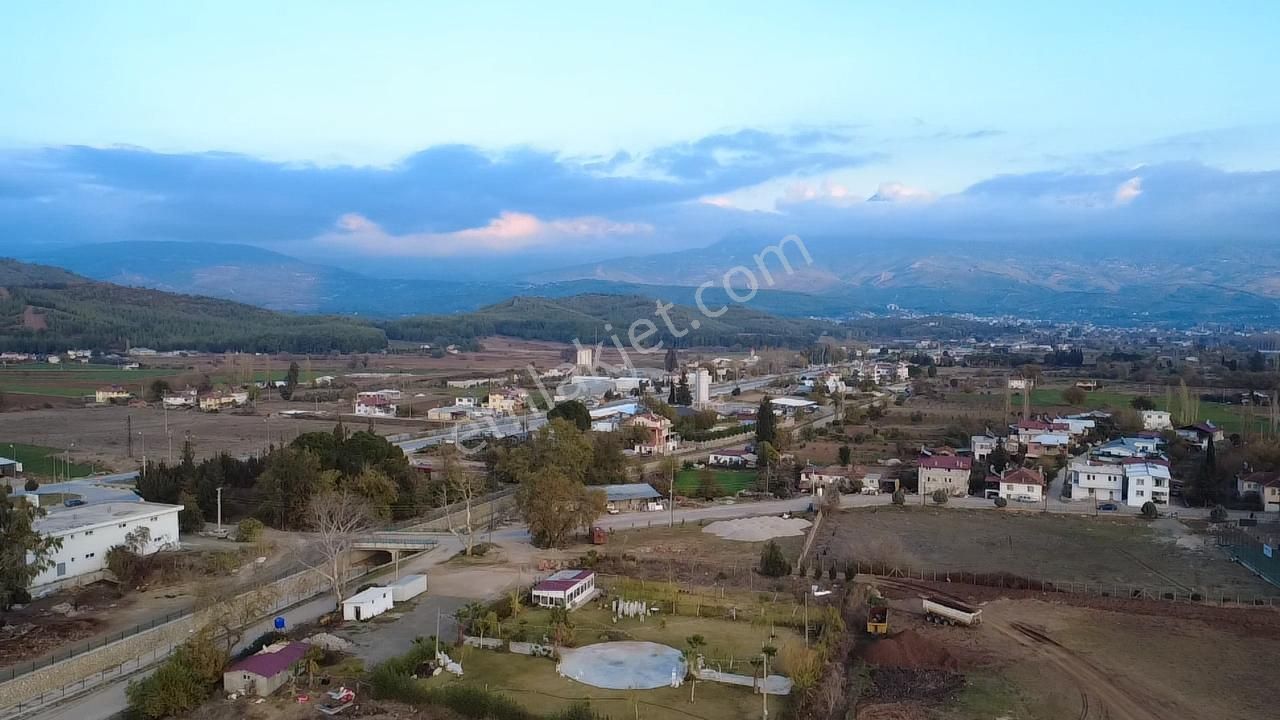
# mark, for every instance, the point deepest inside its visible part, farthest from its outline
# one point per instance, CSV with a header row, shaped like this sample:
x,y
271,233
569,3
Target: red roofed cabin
x,y
264,673
945,472
569,589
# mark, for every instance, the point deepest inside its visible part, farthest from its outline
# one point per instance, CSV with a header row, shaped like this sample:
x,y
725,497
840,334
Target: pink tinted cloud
x,y
509,232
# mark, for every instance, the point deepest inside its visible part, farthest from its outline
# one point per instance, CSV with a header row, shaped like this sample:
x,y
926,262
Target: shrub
x,y
850,570
772,561
831,572
899,497
1150,511
31,485
940,497
182,683
817,570
1001,502
249,530
1218,514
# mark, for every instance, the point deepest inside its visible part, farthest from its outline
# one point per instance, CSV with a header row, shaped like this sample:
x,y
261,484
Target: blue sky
x,y
914,102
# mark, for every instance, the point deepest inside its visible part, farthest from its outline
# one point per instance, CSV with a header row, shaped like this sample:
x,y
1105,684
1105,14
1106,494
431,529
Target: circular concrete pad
x,y
623,665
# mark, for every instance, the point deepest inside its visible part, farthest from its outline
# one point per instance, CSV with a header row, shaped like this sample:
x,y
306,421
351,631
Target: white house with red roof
x,y
945,472
1265,484
569,589
1022,485
658,439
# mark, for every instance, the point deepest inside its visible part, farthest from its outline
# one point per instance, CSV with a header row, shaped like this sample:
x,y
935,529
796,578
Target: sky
x,y
398,129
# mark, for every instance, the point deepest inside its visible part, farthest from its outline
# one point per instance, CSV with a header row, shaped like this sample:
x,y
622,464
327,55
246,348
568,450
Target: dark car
x,y
73,502
1108,507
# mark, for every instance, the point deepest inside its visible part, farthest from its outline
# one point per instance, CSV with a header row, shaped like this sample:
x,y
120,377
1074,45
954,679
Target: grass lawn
x,y
27,388
40,461
730,481
534,683
71,381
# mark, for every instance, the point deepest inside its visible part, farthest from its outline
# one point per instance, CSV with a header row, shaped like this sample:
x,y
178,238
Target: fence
x,y
80,648
161,651
1256,548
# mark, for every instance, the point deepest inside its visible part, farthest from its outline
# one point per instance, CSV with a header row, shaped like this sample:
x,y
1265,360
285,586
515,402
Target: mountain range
x,y
1110,283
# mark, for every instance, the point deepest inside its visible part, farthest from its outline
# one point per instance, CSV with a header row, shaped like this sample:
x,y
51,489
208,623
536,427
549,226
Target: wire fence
x,y
1256,548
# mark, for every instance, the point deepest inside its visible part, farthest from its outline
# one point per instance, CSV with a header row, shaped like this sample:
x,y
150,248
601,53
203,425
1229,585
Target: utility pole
x,y
764,684
128,432
219,508
672,492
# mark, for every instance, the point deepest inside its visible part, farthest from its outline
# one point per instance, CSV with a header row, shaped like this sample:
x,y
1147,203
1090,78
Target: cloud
x,y
76,194
897,192
510,232
1128,190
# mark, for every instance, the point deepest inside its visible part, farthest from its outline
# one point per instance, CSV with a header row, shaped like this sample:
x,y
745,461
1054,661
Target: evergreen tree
x,y
766,422
671,396
671,361
290,382
683,395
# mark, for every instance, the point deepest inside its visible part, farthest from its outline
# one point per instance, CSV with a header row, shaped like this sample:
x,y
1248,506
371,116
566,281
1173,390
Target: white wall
x,y
85,550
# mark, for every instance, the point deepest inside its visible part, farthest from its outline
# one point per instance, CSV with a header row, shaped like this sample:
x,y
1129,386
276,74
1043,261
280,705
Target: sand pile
x,y
757,529
910,650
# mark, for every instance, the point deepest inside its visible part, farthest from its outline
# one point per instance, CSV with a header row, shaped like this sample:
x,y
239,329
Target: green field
x,y
1230,418
41,461
72,381
730,481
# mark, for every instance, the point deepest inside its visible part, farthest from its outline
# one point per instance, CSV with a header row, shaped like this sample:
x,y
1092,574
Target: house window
x,y
1141,481
87,532
124,524
154,519
62,569
1142,493
89,555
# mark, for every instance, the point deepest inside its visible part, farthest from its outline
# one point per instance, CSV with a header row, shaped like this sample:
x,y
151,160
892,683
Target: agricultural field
x,y
704,558
43,462
1164,554
28,382
730,481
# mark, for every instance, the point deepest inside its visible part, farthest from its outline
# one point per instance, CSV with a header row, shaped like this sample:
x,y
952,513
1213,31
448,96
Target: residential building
x,y
887,372
1021,384
110,394
1022,485
1055,443
215,401
945,472
1096,480
813,477
568,589
380,403
632,497
10,467
1129,447
1201,433
1146,480
266,671
982,446
658,439
1265,484
89,531
732,458
179,400
1157,420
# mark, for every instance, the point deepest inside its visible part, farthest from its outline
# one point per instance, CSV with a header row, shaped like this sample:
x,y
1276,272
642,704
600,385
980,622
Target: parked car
x,y
1109,507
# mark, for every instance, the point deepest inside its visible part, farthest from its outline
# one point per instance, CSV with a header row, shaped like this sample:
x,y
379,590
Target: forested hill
x,y
585,317
45,309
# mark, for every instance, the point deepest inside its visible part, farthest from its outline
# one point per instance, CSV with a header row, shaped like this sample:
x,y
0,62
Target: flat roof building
x,y
89,531
567,589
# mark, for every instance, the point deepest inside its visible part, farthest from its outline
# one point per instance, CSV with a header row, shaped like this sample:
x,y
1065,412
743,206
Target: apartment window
x,y
1141,481
88,532
89,555
1142,493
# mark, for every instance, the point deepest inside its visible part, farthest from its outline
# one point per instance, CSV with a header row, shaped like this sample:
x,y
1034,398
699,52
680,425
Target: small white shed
x,y
367,604
408,587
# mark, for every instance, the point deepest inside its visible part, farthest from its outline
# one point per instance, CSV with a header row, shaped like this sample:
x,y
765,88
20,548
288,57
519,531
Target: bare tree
x,y
460,485
336,519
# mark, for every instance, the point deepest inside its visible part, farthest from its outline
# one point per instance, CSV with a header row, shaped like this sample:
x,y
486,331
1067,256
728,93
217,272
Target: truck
x,y
878,620
945,611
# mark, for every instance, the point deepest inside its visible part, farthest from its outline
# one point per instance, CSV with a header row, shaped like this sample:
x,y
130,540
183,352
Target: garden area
x,y
690,481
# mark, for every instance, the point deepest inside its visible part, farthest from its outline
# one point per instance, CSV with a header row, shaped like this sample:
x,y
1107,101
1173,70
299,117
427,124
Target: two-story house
x,y
945,472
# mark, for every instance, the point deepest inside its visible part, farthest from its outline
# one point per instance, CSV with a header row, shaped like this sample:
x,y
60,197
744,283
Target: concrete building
x,y
1096,480
732,458
814,477
1201,433
632,497
789,406
945,472
110,394
585,359
1156,420
569,589
368,604
658,439
266,671
10,467
408,587
89,531
215,401
982,446
1265,484
1146,481
1022,485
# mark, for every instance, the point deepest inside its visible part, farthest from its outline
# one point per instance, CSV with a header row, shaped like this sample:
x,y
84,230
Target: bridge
x,y
397,543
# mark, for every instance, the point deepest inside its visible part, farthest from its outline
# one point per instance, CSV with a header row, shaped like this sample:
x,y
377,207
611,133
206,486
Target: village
x,y
718,533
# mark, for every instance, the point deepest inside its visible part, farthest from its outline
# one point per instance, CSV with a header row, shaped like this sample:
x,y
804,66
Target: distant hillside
x,y
593,317
45,309
252,275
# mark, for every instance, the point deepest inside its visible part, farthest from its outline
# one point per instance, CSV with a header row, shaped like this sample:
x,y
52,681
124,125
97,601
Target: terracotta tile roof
x,y
946,462
1023,476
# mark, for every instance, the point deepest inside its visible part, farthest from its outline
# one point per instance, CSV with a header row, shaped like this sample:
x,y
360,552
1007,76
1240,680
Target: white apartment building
x,y
1096,480
1156,420
701,387
1146,481
982,446
89,531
